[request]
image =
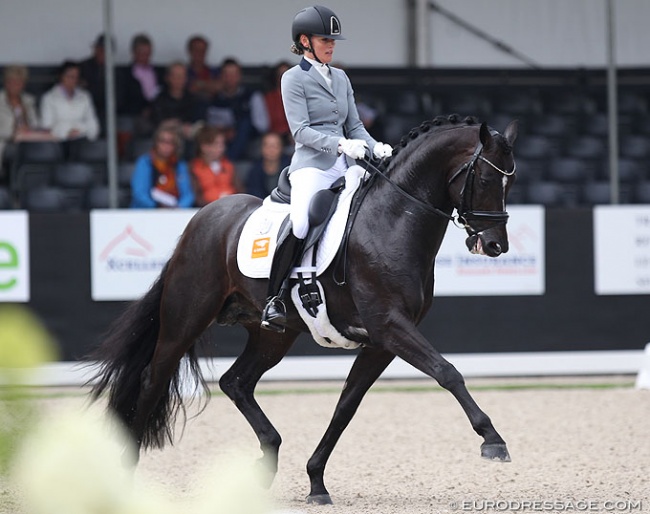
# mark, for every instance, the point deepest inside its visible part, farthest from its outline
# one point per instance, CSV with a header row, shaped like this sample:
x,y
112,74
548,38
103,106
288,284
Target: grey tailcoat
x,y
319,116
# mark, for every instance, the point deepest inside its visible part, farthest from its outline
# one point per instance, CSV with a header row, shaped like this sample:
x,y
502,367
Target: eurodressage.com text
x,y
547,505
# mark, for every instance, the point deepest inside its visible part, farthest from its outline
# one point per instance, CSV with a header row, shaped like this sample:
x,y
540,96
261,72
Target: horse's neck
x,y
423,174
405,225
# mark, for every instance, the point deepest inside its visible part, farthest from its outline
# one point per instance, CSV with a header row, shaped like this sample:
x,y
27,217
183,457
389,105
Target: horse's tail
x,y
124,355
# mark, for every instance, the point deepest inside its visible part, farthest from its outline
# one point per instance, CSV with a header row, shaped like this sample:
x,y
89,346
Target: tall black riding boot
x,y
287,252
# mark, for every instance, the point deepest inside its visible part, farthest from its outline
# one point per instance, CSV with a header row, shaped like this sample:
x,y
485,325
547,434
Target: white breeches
x,y
305,183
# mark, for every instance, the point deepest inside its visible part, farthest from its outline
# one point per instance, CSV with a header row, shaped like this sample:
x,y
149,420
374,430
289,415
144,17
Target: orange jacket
x,y
212,185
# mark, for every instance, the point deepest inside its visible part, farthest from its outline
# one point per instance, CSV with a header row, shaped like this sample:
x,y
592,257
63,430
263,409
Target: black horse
x,y
444,164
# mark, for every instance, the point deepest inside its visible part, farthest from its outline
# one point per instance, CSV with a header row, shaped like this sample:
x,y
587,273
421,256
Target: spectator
x,y
263,175
175,102
67,110
273,99
139,86
93,78
203,80
18,116
238,110
213,174
160,178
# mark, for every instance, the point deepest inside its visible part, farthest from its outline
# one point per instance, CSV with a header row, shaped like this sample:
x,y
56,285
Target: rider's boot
x,y
274,316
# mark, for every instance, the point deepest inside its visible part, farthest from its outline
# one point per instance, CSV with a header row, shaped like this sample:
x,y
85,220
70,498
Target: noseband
x,y
465,213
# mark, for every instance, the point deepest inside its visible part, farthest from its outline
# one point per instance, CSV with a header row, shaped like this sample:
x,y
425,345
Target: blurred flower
x,y
74,463
24,344
232,487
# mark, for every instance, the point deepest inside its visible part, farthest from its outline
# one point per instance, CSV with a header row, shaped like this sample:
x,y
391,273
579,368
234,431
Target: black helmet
x,y
316,21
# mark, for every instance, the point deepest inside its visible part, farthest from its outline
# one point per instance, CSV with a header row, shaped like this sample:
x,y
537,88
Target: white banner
x,y
128,249
14,256
521,271
622,249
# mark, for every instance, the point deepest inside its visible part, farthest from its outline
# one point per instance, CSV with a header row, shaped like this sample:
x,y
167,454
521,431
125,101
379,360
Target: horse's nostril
x,y
496,247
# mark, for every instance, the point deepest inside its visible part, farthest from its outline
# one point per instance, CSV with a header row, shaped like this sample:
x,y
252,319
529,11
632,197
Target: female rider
x,y
320,108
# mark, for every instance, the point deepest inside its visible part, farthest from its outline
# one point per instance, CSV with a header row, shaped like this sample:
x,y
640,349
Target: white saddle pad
x,y
259,236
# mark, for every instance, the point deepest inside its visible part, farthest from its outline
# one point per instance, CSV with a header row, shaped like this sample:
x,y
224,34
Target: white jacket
x,y
61,114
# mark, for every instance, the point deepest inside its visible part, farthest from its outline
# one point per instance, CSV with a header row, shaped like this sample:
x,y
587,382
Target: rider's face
x,y
323,48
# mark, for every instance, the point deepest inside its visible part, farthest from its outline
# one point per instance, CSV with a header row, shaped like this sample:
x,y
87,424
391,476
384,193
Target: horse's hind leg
x,y
367,367
263,350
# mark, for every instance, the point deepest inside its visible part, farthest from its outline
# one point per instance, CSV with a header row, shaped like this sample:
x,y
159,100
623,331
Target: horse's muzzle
x,y
482,244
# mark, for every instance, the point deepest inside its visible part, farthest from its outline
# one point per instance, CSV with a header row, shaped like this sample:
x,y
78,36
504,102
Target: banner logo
x,y
14,257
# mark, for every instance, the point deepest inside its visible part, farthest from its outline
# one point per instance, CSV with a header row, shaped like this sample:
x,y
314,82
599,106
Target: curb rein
x,y
462,220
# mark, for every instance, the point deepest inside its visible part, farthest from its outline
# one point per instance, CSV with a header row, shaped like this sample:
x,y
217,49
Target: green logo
x,y
9,260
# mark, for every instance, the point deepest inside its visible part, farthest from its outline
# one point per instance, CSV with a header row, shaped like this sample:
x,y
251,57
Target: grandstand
x,y
561,151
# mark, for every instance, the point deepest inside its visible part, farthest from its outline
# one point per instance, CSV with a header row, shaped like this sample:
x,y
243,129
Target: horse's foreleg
x,y
407,343
263,351
367,367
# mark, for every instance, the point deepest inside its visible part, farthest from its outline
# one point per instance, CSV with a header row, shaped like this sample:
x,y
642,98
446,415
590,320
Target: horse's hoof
x,y
495,451
319,499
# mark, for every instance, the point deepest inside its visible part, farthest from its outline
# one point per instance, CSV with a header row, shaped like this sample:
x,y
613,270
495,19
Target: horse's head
x,y
479,190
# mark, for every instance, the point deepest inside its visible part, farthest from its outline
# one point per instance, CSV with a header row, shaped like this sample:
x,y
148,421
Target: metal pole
x,y
612,103
422,27
111,133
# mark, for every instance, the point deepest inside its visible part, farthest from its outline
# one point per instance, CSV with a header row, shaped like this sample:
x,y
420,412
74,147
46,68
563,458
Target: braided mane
x,y
437,124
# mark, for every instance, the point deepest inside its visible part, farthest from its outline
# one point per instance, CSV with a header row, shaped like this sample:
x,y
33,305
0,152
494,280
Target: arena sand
x,y
577,445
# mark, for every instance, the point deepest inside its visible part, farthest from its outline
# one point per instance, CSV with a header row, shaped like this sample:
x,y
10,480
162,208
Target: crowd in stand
x,y
202,125
193,133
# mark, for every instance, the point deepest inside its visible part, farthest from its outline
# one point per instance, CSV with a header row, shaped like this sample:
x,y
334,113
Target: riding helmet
x,y
316,21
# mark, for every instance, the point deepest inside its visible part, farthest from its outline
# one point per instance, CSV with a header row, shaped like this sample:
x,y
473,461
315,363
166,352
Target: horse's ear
x,y
485,136
511,131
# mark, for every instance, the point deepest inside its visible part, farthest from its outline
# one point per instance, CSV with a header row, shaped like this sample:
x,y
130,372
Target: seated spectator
x,y
175,102
263,175
203,80
213,174
139,85
238,110
67,110
160,178
273,99
18,115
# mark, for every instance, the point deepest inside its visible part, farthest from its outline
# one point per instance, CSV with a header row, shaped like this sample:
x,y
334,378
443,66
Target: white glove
x,y
382,150
355,148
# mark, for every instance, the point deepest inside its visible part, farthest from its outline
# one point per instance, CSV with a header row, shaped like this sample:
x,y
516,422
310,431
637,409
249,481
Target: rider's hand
x,y
382,150
355,148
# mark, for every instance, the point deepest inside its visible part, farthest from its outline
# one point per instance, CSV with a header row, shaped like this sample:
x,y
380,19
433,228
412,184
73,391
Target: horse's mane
x,y
437,125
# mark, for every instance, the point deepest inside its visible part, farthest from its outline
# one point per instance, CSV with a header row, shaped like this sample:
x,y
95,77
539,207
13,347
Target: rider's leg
x,y
305,183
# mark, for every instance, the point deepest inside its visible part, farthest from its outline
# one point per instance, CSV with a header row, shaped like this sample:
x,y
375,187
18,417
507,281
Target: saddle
x,y
321,209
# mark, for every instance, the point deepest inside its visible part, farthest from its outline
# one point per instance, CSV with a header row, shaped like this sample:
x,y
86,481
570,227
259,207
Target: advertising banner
x,y
129,249
14,256
521,271
622,249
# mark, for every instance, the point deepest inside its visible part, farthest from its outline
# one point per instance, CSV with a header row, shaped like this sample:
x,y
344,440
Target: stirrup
x,y
274,315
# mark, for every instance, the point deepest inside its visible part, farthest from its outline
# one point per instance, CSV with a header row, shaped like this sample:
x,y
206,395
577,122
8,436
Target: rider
x,y
320,108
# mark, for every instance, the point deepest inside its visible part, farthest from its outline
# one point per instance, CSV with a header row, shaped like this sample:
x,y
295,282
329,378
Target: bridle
x,y
462,220
465,214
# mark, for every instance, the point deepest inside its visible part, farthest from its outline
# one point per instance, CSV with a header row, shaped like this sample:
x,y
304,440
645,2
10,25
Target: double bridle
x,y
466,214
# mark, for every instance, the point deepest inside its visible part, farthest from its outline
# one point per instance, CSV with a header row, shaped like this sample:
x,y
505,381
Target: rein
x,y
462,220
465,212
